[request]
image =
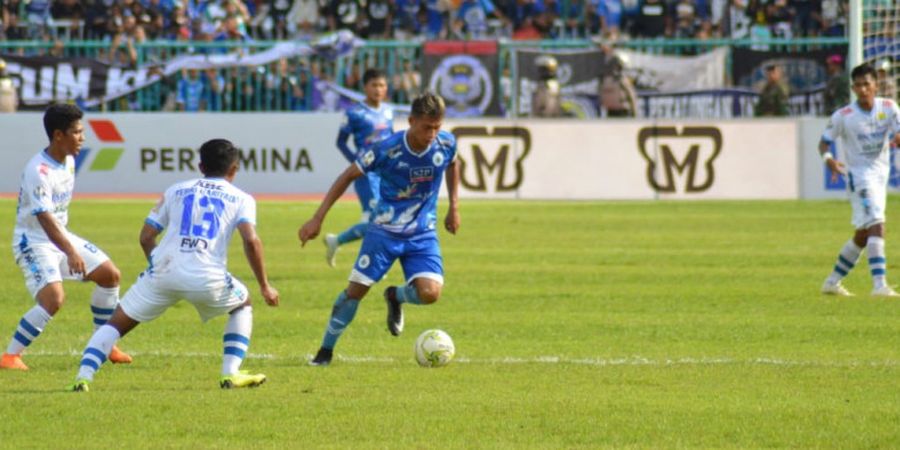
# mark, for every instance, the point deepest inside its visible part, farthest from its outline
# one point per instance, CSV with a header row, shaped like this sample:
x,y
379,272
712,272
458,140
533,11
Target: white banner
x,y
670,74
533,159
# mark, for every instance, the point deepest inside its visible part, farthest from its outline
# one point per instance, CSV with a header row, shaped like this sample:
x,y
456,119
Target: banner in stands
x,y
802,70
45,79
721,104
464,73
662,73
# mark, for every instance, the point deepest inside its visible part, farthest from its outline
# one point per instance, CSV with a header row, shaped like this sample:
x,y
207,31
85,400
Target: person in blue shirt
x,y
411,165
367,122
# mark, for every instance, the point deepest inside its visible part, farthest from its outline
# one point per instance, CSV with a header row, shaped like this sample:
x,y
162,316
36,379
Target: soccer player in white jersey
x,y
411,165
866,129
190,263
45,250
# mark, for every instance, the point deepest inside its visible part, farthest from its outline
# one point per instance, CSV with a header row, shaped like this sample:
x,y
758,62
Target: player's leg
x,y
376,255
849,253
234,299
424,270
105,297
875,198
42,268
99,347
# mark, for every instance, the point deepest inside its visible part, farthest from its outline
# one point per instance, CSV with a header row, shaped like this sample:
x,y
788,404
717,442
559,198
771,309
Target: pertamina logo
x,y
111,149
672,156
492,161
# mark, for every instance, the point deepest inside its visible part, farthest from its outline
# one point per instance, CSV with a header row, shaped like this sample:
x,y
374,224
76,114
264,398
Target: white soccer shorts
x,y
44,263
868,203
151,295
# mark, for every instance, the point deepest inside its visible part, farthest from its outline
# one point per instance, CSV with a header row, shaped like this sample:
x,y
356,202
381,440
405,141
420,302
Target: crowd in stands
x,y
218,20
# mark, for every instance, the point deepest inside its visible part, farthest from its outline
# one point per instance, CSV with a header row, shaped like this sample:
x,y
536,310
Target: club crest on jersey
x,y
368,158
421,174
39,192
394,153
364,261
438,159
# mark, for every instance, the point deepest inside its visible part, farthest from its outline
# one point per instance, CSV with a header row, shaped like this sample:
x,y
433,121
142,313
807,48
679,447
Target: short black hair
x,y
428,104
372,74
862,70
60,116
217,156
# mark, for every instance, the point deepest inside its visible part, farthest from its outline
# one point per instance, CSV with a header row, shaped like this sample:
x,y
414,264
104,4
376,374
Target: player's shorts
x,y
868,204
367,188
44,263
151,295
420,257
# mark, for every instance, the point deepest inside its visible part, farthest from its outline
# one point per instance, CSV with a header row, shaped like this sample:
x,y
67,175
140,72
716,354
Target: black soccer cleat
x,y
394,311
323,357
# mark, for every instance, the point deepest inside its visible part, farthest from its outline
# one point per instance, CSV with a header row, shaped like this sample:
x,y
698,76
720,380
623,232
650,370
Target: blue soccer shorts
x,y
419,256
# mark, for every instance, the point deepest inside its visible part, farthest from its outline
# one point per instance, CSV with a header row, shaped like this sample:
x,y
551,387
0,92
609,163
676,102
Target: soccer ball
x,y
434,348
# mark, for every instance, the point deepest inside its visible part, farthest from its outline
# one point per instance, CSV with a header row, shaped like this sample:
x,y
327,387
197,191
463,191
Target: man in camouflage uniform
x,y
837,88
774,97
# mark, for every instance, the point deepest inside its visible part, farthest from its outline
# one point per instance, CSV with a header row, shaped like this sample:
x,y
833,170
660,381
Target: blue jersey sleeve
x,y
344,135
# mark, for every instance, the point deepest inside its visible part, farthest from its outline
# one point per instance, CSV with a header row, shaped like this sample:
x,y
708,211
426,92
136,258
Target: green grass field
x,y
656,324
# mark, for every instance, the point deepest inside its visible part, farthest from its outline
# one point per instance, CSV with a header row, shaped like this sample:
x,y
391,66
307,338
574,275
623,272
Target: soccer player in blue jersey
x,y
45,249
367,122
411,165
190,262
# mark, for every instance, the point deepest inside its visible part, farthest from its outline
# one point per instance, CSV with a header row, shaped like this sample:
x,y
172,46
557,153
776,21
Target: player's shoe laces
x,y
835,289
323,357
80,385
241,379
12,361
331,248
884,291
117,356
394,311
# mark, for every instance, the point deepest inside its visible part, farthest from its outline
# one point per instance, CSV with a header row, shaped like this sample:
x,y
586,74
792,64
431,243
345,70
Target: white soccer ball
x,y
434,348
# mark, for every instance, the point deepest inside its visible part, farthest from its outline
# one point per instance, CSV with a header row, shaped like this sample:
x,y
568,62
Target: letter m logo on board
x,y
680,161
492,161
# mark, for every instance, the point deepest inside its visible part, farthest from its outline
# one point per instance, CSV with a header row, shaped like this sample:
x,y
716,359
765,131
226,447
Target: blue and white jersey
x,y
46,186
200,216
865,137
367,125
410,181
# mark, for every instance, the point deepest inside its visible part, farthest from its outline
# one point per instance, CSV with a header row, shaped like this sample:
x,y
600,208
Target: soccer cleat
x,y
331,248
80,385
835,289
323,357
117,356
395,311
241,379
884,291
12,361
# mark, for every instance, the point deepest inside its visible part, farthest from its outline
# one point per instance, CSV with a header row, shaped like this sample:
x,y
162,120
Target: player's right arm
x,y
253,250
832,131
58,237
311,228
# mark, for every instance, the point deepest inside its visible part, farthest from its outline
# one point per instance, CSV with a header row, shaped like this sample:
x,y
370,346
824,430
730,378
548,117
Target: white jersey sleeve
x,y
835,127
37,187
159,215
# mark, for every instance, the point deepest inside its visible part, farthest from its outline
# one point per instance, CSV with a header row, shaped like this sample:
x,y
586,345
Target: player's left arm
x,y
452,221
253,249
311,228
148,239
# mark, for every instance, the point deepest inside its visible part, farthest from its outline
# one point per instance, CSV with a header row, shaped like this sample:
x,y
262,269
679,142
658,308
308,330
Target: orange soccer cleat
x,y
117,356
12,361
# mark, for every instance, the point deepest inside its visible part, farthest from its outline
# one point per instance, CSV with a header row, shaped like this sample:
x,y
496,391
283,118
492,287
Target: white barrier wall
x,y
528,159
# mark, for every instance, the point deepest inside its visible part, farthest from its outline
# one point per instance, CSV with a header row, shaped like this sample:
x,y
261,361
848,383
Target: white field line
x,y
547,360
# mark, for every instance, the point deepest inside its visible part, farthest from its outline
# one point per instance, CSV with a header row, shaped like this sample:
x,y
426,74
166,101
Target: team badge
x,y
368,158
364,261
438,159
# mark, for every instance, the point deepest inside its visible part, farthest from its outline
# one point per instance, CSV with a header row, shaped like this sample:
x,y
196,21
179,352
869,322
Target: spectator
x,y
9,98
406,23
652,20
774,97
379,18
192,92
686,21
345,15
807,16
837,87
610,15
834,17
37,16
96,19
736,21
303,17
578,19
213,88
352,76
780,18
471,19
435,17
275,14
68,10
408,82
129,33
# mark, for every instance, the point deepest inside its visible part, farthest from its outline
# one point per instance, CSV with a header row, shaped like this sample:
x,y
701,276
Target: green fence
x,y
287,85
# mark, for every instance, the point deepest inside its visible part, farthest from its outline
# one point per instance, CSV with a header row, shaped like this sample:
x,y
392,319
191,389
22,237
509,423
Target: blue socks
x,y
408,294
353,233
341,315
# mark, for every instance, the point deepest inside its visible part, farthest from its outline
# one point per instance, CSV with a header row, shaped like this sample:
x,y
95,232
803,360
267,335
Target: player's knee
x,y
114,276
429,293
53,305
